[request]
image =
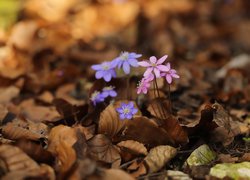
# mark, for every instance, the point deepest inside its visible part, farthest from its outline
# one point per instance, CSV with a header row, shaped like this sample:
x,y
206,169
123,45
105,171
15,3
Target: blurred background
x,y
54,37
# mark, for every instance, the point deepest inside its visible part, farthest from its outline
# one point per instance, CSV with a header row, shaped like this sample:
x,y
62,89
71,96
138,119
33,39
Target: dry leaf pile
x,y
49,128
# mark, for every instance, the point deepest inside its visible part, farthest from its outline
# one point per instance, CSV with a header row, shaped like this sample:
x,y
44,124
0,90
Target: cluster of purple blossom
x,y
155,69
98,96
106,70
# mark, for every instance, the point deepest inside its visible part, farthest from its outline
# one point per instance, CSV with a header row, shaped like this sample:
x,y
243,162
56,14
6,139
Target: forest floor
x,y
190,122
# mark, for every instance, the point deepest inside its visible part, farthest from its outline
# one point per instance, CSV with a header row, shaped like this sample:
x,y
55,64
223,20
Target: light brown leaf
x,y
38,113
16,159
6,94
158,157
116,174
133,146
18,129
145,131
61,140
110,123
102,149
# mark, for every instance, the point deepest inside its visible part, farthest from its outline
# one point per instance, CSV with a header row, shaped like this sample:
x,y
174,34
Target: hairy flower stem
x,y
127,86
169,100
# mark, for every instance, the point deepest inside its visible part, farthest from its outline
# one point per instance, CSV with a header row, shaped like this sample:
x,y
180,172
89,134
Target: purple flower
x,y
143,86
96,97
125,60
105,70
169,75
154,65
126,111
109,91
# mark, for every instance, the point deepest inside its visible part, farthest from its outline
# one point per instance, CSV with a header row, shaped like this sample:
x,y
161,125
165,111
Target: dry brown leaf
x,y
141,169
116,174
36,151
46,97
227,158
110,123
102,149
61,140
30,110
16,159
175,130
133,146
7,94
94,16
145,131
3,112
44,172
18,129
64,91
158,157
159,108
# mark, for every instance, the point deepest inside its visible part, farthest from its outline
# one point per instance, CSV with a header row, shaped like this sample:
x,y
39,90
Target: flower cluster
x,y
106,70
98,96
126,111
155,69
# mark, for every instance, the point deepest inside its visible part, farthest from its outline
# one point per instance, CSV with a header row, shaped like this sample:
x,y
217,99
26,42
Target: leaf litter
x,y
171,100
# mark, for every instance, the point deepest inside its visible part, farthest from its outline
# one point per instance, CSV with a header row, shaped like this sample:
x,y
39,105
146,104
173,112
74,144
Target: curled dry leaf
x,y
133,146
6,94
44,172
158,157
21,129
145,131
36,151
110,123
3,112
30,110
160,108
71,113
61,140
16,159
102,149
116,174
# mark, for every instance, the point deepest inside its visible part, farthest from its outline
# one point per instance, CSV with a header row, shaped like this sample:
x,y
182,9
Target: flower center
x,y
105,66
124,56
94,95
153,65
108,88
126,110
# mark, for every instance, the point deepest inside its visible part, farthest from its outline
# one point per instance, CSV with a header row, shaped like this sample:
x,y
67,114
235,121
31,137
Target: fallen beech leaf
x,y
231,170
65,92
116,174
110,123
133,146
177,175
61,140
159,108
36,151
86,169
227,158
3,112
16,159
102,149
37,113
71,114
141,169
44,172
22,129
46,97
201,156
6,94
158,157
175,130
151,134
